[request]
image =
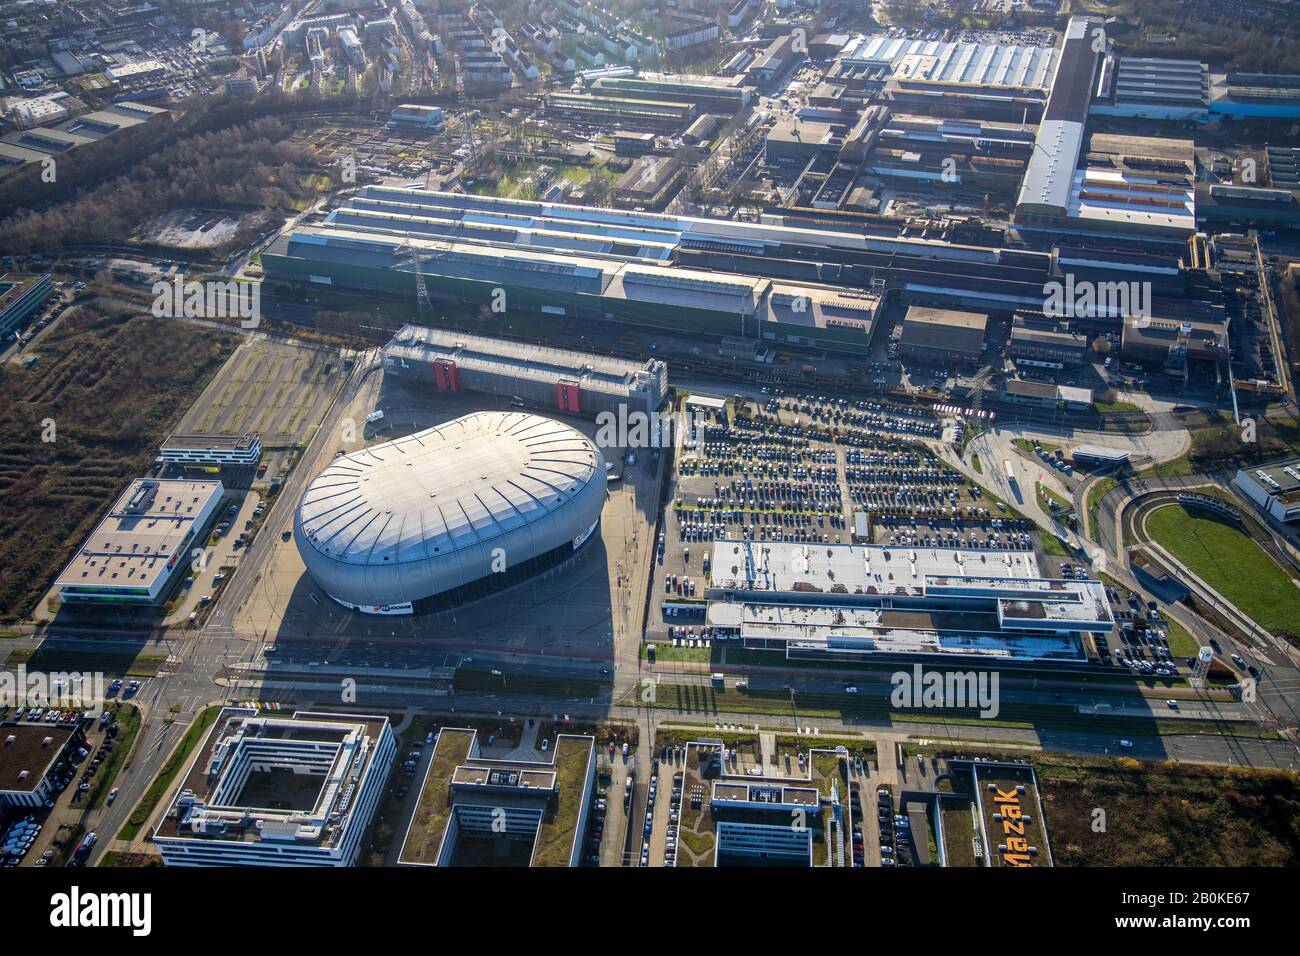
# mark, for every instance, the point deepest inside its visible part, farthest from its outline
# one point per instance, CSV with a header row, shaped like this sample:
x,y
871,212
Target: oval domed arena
x,y
451,513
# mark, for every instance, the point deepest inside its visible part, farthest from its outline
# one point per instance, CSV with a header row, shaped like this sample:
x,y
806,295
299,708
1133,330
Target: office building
x,y
861,601
276,790
1274,488
476,810
31,757
208,450
142,545
21,294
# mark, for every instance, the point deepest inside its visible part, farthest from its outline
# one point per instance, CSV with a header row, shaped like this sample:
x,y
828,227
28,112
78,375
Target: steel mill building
x,y
450,513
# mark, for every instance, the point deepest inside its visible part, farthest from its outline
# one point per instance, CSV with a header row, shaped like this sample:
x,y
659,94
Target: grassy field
x,y
1232,564
1163,814
78,424
167,773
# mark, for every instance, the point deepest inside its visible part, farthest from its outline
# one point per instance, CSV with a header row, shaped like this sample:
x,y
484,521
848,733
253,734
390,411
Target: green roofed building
x,y
476,810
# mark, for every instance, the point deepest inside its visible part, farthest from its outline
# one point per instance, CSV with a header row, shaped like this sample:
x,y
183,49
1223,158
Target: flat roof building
x,y
943,335
852,601
598,108
30,753
475,810
415,116
723,95
276,790
234,450
21,294
1274,488
575,261
139,71
1098,456
1139,184
745,820
1039,347
138,547
650,183
531,374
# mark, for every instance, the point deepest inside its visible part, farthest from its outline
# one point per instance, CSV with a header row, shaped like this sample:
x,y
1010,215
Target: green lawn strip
x,y
694,699
699,843
128,725
1051,544
1119,405
667,652
1099,490
958,832
743,656
1047,497
854,745
484,682
113,665
1024,444
167,773
1227,560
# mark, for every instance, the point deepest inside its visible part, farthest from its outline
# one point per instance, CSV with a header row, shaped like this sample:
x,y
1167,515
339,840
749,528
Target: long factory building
x,y
532,376
855,601
790,280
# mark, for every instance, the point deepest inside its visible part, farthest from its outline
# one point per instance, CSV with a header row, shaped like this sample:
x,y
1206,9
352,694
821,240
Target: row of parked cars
x,y
888,822
18,841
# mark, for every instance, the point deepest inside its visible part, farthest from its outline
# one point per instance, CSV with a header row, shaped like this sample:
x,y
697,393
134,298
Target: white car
x,y
1126,744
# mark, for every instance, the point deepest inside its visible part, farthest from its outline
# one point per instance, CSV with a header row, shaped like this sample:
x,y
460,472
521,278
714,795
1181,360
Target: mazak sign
x,y
1007,809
